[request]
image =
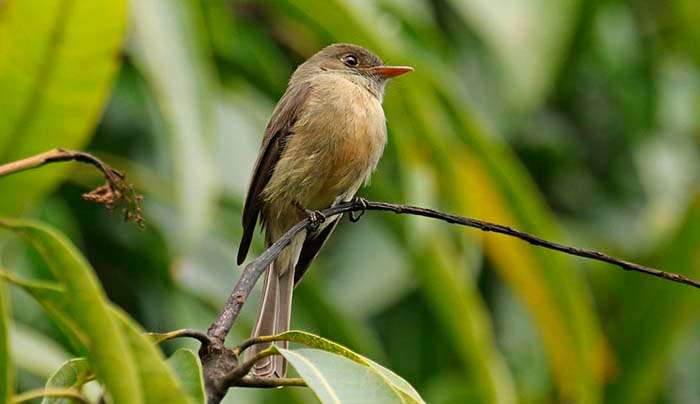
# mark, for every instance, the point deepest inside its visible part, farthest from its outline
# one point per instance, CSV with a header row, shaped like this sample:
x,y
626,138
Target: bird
x,y
322,143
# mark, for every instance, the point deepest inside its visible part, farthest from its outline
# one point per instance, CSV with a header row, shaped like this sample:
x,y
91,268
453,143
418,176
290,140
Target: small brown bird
x,y
323,141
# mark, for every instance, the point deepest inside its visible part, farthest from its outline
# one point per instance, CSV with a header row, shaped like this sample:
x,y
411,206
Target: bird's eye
x,y
350,60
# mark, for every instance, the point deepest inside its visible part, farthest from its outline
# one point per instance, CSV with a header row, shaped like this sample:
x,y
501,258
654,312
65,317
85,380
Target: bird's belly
x,y
333,149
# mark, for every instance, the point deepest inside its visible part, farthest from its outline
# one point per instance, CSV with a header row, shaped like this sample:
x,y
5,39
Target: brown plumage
x,y
323,141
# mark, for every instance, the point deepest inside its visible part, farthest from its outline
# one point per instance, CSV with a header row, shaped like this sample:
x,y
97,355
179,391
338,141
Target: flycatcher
x,y
322,143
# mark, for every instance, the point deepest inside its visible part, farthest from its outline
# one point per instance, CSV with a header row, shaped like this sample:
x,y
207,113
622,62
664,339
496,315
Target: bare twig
x,y
241,370
114,193
266,382
182,333
222,325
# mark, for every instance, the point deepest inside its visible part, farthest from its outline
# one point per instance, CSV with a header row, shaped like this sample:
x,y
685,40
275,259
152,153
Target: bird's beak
x,y
390,71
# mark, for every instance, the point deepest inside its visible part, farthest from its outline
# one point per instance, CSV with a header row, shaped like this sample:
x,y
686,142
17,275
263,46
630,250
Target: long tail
x,y
276,310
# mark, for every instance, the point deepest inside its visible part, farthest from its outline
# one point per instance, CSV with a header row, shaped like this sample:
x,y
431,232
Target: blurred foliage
x,y
573,120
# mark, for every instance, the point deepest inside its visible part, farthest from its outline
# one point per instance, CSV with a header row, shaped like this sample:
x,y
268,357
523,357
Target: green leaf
x,y
399,385
84,308
55,74
335,379
72,374
188,369
52,298
529,53
6,367
159,382
170,54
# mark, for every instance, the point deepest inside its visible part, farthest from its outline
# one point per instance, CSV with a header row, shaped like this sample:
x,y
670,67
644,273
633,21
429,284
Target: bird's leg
x,y
354,216
315,216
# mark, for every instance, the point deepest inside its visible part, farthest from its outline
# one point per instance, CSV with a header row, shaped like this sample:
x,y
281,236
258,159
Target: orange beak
x,y
390,71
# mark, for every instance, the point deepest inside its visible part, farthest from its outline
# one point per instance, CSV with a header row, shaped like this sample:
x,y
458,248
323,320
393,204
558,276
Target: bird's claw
x,y
354,216
316,217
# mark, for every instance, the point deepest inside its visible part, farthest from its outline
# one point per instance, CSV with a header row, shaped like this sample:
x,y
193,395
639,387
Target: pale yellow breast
x,y
337,143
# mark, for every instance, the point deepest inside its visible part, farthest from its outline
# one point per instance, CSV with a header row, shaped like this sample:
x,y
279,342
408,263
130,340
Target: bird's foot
x,y
355,215
315,217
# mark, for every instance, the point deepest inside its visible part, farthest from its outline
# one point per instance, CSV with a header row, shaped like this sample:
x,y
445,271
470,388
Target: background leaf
x,y
59,72
166,40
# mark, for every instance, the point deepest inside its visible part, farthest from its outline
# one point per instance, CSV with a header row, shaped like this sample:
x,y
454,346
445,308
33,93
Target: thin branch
x,y
268,382
182,333
38,393
242,370
263,339
222,325
115,193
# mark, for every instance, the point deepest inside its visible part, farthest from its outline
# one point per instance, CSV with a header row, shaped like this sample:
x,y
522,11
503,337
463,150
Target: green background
x,y
575,120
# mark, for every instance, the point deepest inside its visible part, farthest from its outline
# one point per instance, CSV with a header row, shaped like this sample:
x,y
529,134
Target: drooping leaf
x,y
55,75
170,54
6,366
52,297
159,382
72,374
188,369
336,379
84,308
402,387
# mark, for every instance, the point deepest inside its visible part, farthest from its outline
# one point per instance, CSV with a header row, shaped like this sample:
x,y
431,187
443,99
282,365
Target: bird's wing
x,y
278,130
311,247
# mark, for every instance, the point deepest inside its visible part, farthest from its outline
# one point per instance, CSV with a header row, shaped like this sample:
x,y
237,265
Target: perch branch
x,y
222,325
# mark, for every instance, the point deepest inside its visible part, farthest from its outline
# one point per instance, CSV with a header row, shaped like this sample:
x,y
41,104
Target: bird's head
x,y
360,65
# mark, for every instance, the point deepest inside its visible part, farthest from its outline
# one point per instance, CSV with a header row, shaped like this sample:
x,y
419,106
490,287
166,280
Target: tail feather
x,y
266,324
276,309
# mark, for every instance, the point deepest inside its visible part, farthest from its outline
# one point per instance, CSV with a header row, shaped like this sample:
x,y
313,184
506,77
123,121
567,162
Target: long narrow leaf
x,y
85,305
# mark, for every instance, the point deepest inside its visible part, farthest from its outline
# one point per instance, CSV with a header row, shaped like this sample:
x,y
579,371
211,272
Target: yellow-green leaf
x,y
188,369
72,374
85,306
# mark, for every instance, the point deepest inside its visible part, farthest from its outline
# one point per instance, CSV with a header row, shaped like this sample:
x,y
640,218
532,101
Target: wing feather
x,y
278,130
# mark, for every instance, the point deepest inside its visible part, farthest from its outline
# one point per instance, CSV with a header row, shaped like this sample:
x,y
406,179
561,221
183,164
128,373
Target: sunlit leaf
x,y
72,374
84,308
55,74
311,340
335,379
188,369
